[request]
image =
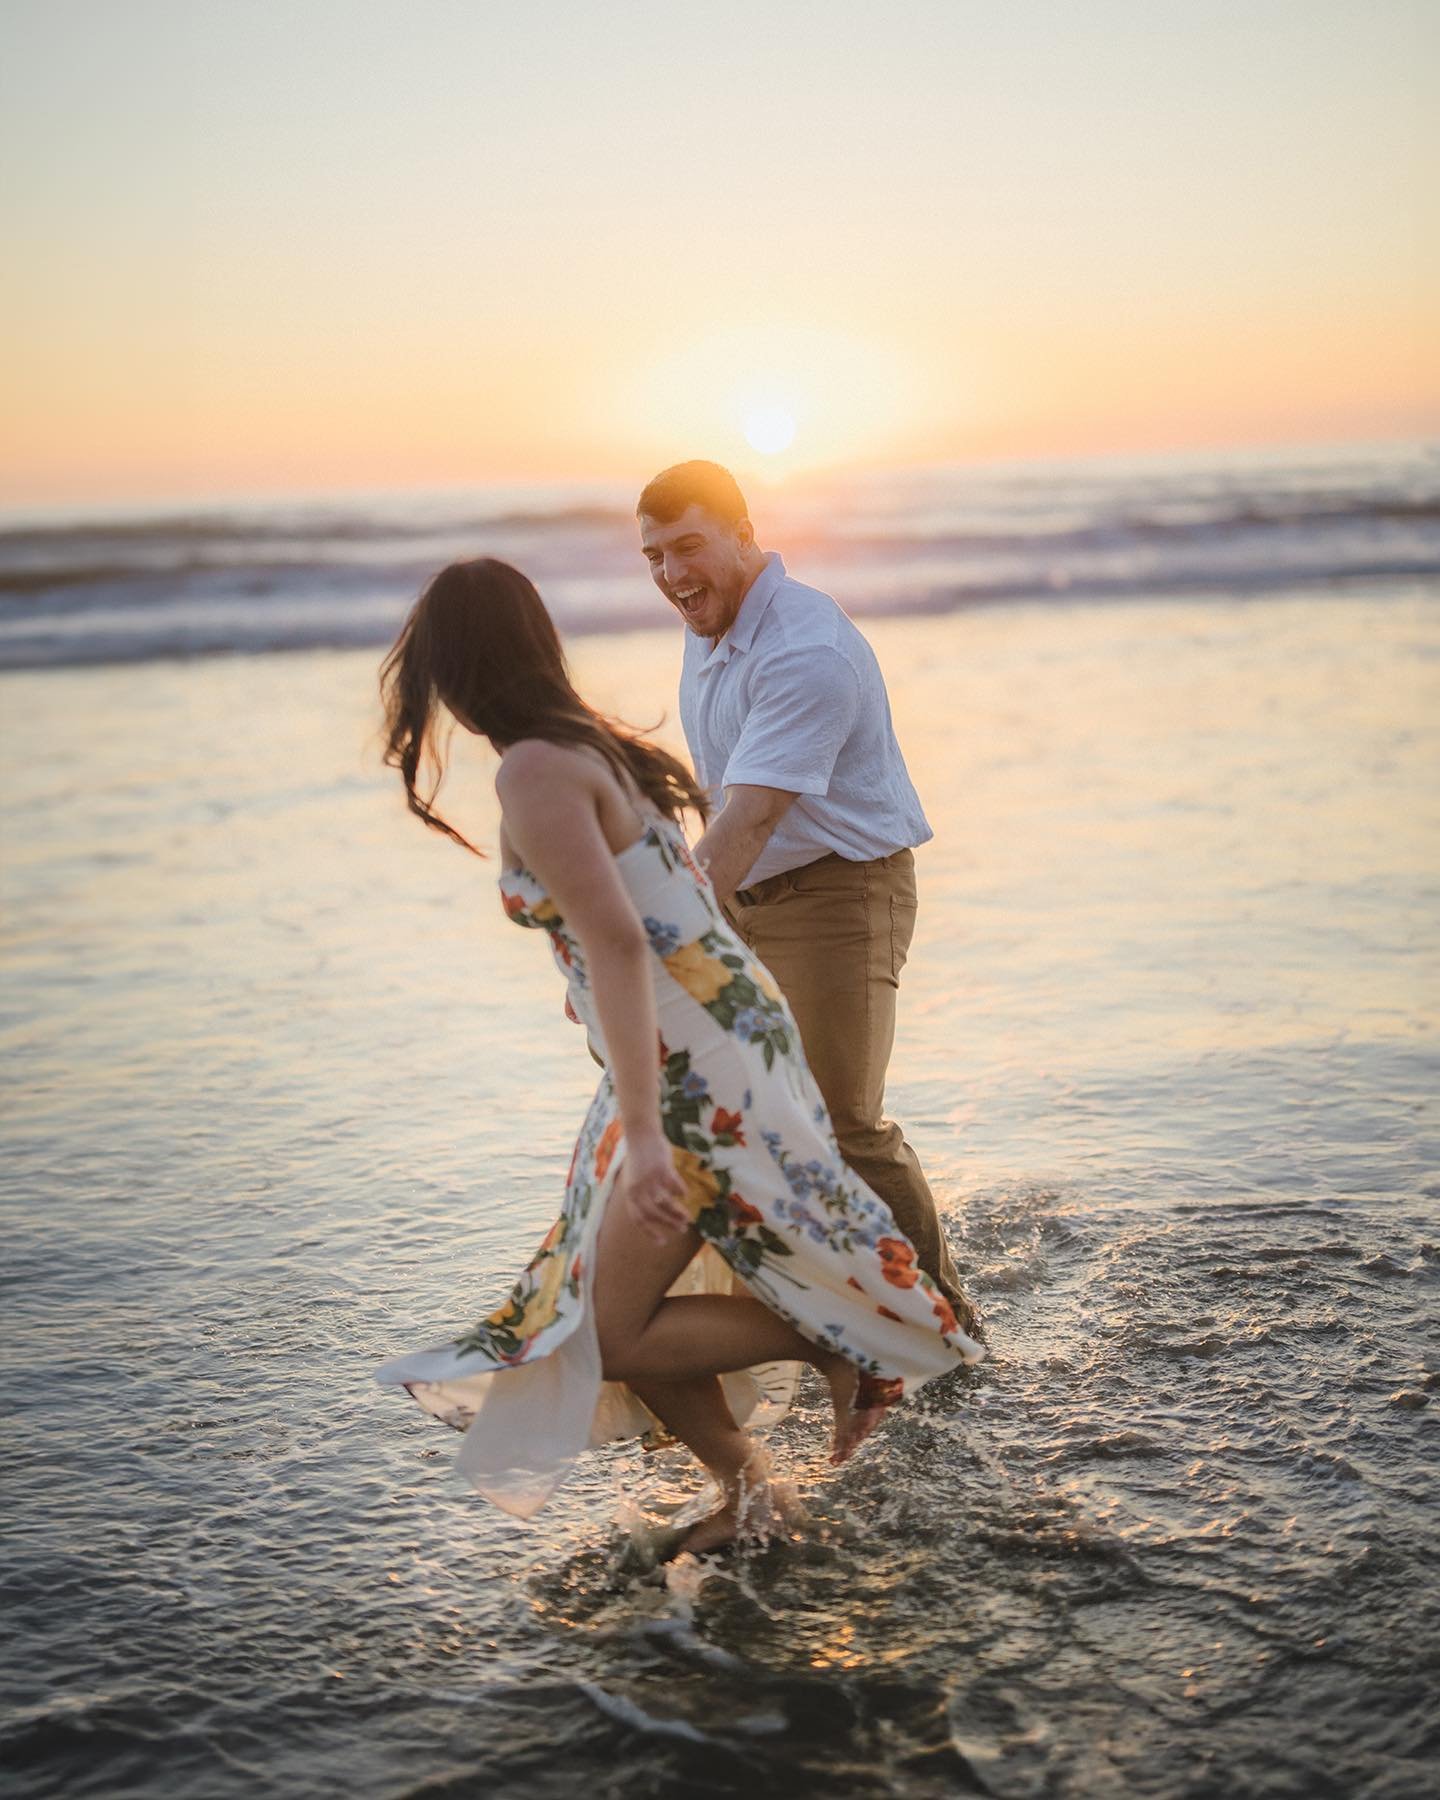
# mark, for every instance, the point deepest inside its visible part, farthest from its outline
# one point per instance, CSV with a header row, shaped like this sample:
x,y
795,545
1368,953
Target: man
x,y
784,709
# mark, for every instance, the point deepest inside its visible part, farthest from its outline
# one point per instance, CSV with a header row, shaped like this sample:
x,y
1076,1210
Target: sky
x,y
319,245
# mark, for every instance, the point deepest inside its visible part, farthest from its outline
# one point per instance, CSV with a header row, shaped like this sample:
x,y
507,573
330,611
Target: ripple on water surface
x,y
1171,1540
1124,1556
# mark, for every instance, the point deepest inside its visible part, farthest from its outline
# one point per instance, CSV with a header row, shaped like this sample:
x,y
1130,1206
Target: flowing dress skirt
x,y
779,1214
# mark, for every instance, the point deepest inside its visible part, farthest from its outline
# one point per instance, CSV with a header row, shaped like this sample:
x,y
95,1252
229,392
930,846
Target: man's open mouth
x,y
689,598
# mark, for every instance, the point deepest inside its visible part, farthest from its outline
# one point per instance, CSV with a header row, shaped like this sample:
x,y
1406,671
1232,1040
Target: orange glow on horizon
x,y
255,258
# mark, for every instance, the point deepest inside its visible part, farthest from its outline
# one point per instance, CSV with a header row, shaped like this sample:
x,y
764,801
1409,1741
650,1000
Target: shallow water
x,y
285,1095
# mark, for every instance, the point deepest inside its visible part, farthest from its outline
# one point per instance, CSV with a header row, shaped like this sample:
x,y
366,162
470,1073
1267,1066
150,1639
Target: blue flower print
x,y
801,1217
694,1087
750,1024
663,938
800,1182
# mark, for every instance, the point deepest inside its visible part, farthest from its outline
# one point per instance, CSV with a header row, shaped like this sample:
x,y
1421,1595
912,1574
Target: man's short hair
x,y
693,484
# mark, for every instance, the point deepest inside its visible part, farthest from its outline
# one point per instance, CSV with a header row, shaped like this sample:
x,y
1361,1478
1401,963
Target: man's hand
x,y
741,830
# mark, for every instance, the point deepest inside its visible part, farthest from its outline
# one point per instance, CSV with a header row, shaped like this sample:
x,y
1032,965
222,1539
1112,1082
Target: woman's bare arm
x,y
551,799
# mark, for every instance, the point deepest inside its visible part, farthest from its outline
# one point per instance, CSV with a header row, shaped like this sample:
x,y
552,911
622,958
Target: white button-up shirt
x,y
792,697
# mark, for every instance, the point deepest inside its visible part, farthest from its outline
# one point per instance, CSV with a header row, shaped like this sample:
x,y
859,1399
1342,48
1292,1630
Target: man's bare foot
x,y
854,1420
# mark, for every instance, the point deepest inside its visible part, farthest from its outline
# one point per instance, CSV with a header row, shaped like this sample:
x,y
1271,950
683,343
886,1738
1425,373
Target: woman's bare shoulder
x,y
538,762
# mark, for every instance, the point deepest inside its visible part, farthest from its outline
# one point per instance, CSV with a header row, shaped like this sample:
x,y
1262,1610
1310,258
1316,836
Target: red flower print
x,y
514,904
745,1213
897,1258
575,1268
885,1313
852,1282
727,1124
876,1390
605,1149
945,1313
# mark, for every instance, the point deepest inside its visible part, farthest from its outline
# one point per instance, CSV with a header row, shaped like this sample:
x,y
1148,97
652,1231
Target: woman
x,y
709,1230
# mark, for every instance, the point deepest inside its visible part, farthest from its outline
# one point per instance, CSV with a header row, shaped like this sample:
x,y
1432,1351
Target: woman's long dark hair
x,y
480,643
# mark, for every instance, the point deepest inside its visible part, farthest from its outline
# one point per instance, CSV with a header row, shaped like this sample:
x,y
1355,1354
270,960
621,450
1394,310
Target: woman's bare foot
x,y
854,1419
754,1510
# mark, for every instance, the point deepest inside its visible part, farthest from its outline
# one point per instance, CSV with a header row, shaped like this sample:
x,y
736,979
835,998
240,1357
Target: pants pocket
x,y
902,929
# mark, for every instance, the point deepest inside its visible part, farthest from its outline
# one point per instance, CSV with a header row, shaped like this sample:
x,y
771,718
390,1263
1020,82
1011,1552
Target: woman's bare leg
x,y
751,1505
682,1343
692,1334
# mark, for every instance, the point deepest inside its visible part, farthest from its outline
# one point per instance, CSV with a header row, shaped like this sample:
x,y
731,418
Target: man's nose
x,y
674,571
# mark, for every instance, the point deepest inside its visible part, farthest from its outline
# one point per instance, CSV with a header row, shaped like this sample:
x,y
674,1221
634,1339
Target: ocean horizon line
x,y
140,586
162,503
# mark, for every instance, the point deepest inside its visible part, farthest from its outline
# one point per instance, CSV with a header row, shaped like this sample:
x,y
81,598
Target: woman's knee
x,y
632,1276
617,1357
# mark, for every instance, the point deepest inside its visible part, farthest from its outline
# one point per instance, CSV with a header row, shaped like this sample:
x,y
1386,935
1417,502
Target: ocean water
x,y
131,583
285,1094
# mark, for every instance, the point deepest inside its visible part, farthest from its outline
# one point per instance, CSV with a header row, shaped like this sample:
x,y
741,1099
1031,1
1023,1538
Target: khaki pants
x,y
835,935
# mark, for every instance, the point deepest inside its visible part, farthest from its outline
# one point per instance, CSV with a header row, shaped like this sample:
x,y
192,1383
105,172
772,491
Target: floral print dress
x,y
778,1213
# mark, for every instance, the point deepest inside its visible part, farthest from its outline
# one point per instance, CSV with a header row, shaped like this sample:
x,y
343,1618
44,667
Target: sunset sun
x,y
769,429
788,396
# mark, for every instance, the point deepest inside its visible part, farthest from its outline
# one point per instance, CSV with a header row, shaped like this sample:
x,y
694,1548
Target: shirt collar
x,y
753,607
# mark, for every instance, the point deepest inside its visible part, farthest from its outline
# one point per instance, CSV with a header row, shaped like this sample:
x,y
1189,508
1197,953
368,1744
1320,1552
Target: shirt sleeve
x,y
803,706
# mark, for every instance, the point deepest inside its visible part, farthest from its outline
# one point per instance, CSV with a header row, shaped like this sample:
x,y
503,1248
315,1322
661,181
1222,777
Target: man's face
x,y
698,563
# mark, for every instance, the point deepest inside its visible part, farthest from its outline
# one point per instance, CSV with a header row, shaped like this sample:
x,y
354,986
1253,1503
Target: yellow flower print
x,y
701,976
544,912
700,1183
763,980
539,1308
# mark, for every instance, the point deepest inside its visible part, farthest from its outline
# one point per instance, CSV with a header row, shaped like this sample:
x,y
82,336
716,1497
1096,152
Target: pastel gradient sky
x,y
323,244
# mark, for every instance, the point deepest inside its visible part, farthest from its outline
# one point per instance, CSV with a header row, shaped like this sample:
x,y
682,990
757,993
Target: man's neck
x,y
754,567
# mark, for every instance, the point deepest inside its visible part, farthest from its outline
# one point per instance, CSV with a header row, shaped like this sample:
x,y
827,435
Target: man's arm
x,y
740,831
803,704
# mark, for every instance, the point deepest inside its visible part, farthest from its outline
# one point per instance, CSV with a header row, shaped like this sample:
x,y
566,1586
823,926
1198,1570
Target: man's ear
x,y
744,533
